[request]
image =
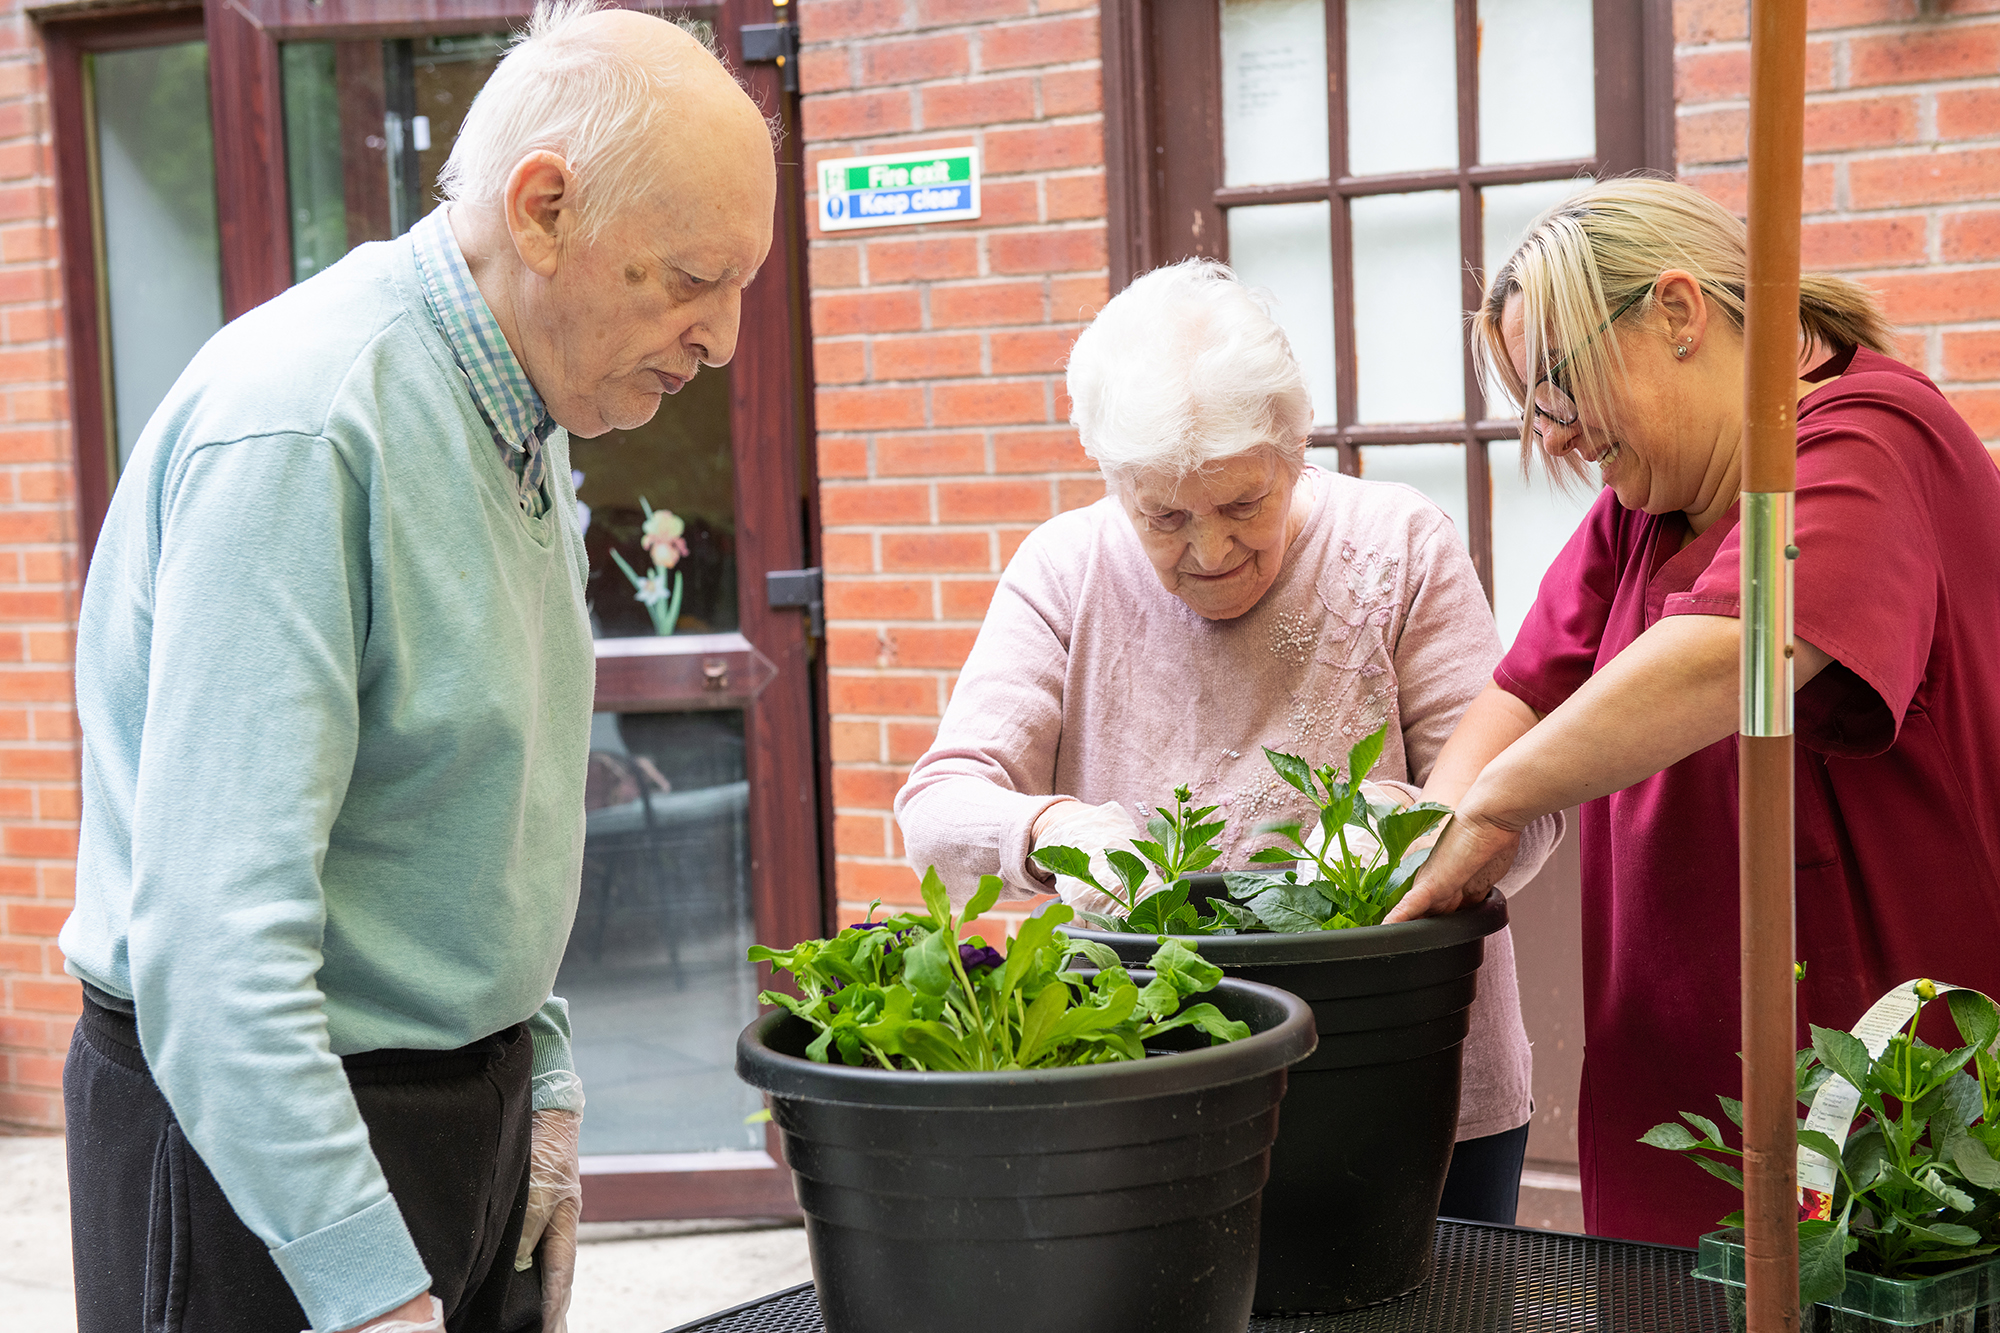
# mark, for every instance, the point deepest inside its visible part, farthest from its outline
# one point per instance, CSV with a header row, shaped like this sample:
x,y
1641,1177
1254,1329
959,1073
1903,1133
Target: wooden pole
x,y
1770,444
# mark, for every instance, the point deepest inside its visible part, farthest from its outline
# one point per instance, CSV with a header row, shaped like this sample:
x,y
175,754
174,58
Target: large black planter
x,y
1119,1198
1369,1118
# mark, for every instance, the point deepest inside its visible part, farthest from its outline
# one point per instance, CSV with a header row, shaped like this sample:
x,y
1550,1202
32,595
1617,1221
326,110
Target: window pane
x,y
1438,470
312,158
1508,210
1273,91
1408,317
1532,519
655,973
162,272
1288,249
1402,86
1537,100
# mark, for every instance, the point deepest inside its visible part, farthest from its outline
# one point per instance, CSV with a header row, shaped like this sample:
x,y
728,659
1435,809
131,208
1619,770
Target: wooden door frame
x,y
776,495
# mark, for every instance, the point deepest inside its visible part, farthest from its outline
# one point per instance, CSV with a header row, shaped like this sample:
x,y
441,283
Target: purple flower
x,y
982,956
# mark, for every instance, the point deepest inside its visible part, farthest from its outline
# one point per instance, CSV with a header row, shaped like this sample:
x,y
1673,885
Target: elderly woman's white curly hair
x,y
1182,370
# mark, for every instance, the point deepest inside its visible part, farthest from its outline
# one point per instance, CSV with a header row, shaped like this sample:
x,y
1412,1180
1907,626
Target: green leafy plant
x,y
1917,1188
906,993
1183,844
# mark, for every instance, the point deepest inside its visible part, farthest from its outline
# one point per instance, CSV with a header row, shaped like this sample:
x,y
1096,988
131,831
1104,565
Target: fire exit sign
x,y
899,189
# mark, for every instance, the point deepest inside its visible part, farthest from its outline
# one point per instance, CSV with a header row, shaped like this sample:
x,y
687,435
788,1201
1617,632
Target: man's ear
x,y
540,190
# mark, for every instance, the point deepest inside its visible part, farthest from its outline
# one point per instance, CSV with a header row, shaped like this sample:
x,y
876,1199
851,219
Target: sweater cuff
x,y
358,1269
556,1086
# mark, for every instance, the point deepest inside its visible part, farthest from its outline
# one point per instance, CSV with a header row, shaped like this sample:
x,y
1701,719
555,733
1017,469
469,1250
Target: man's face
x,y
633,313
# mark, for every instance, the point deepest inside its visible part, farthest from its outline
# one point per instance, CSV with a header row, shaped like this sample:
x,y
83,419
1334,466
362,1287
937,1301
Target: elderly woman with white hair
x,y
1223,597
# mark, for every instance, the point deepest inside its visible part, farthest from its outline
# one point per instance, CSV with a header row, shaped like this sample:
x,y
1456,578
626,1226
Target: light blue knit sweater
x,y
335,690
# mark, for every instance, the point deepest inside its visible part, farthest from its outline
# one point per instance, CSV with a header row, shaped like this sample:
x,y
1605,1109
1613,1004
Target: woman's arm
x,y
1672,692
1493,721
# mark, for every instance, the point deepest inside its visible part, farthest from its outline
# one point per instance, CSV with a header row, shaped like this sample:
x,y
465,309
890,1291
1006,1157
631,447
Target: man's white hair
x,y
1184,369
563,91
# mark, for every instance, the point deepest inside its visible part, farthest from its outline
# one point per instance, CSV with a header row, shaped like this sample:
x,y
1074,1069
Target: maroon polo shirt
x,y
1897,762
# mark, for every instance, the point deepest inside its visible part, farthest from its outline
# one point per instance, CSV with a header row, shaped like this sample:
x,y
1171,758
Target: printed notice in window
x,y
1273,91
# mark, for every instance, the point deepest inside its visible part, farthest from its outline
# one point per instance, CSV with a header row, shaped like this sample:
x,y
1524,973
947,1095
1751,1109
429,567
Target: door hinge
x,y
774,42
801,588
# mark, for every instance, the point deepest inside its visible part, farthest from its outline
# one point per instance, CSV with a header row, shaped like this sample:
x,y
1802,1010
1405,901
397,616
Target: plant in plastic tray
x,y
906,993
1917,1181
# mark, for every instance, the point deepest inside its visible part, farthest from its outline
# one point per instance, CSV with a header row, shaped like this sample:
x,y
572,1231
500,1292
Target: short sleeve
x,y
1865,591
1556,648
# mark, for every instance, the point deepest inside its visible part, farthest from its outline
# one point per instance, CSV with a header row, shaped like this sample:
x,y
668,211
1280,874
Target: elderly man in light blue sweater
x,y
334,675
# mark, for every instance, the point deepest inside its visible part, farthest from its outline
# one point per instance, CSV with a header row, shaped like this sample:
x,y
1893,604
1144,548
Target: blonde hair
x,y
1607,245
1183,370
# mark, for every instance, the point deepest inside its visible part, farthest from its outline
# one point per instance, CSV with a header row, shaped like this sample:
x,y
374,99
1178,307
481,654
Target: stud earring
x,y
1682,350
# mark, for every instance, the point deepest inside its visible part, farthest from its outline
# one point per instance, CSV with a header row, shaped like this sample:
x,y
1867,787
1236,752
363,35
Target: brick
x,y
876,694
43,485
1010,542
847,552
907,742
840,361
46,566
915,59
979,102
1980,408
966,599
54,802
36,1110
1072,92
20,244
986,304
926,356
888,599
874,502
1924,178
1718,134
867,312
867,408
852,646
33,525
1730,187
19,956
842,457
35,686
58,881
1860,122
1969,235
990,402
1072,197
936,552
1044,148
866,788
1078,299
33,445
38,1071
939,13
887,880
37,841
1031,351
923,258
834,265
14,724
860,835
53,996
1711,76
33,324
1700,21
21,880
938,647
36,918
1056,250
825,70
1010,203
857,115
55,724
1934,297
1924,54
1824,14
1043,42
17,802
1972,355
929,455
833,20
1882,242
1968,113
1077,492
1040,451
22,1030
992,502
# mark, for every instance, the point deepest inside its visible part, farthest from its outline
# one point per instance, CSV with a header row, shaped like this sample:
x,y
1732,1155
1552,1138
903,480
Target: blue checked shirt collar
x,y
513,410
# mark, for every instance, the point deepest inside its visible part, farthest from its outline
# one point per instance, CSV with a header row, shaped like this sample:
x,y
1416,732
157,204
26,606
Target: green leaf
x,y
936,899
1977,1018
1733,1109
1706,1126
1951,1196
1070,861
1291,907
1207,1018
1822,1144
1721,1171
1275,854
1152,915
1039,1020
1293,770
1823,1247
1364,754
1948,1234
1843,1053
1153,852
1672,1137
1035,935
1101,955
982,901
1131,871
929,966
1974,1160
1404,827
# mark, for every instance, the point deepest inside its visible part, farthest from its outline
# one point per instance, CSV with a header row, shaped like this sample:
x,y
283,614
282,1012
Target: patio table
x,y
1503,1279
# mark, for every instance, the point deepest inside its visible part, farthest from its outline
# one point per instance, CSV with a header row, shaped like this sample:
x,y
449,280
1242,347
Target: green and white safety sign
x,y
899,189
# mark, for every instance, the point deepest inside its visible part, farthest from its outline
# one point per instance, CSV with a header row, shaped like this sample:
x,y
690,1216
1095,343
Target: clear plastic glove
x,y
555,1196
1094,829
1359,840
397,1320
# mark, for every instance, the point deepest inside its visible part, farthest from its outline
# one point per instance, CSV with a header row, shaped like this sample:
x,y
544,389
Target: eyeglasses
x,y
1554,407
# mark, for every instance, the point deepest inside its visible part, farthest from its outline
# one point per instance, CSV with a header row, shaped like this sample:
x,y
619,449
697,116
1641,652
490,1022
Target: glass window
x,y
1438,470
1408,308
1402,86
1534,515
1287,249
1531,109
1273,91
161,275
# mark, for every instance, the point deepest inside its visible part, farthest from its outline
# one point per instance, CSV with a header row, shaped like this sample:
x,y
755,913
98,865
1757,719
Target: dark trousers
x,y
1485,1180
158,1249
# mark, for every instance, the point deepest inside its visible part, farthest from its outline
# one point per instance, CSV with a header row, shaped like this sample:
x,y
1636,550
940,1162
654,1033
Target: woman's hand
x,y
1468,861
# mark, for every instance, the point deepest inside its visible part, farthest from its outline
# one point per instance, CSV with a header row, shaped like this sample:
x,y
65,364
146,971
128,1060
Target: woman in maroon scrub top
x,y
1620,319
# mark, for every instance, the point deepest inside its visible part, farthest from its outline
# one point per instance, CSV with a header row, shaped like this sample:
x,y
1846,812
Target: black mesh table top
x,y
1502,1279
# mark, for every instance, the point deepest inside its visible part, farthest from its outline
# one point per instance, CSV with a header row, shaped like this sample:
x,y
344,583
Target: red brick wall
x,y
1902,178
38,596
942,420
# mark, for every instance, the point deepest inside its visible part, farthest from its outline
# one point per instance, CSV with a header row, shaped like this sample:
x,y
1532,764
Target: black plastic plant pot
x,y
1351,1208
1120,1198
